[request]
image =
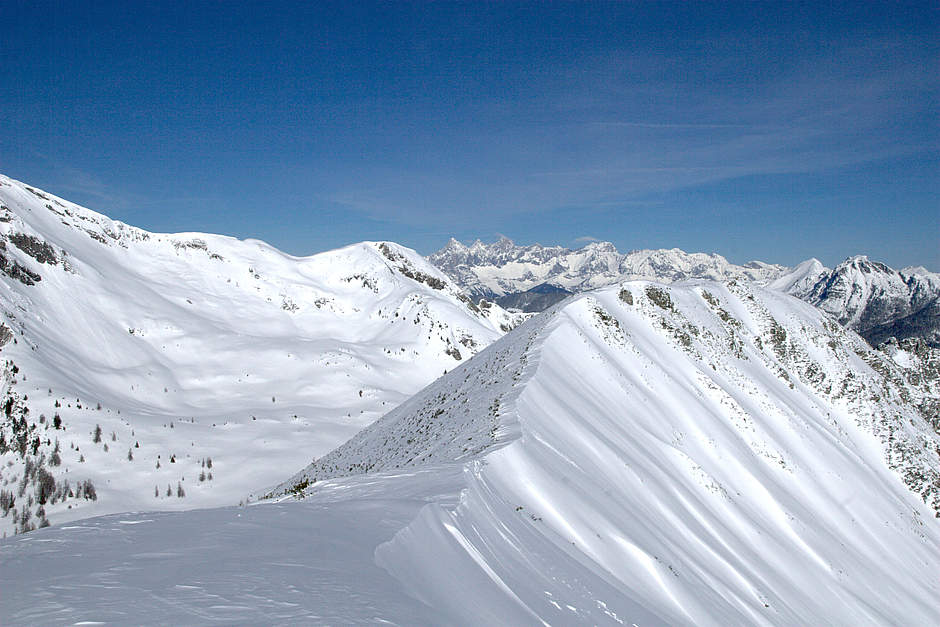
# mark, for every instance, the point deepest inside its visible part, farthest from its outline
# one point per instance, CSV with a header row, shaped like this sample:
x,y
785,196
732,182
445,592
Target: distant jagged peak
x,y
454,246
863,264
870,297
503,267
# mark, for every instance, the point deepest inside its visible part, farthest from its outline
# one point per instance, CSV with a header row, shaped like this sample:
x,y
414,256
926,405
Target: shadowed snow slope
x,y
193,347
696,454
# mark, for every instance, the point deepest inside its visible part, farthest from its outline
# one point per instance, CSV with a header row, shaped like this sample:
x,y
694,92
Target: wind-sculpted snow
x,y
699,454
202,358
703,456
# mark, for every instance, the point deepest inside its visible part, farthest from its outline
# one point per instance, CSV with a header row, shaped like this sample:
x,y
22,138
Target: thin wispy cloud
x,y
625,121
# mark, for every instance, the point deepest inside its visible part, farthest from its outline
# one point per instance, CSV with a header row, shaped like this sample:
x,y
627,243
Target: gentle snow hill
x,y
213,366
504,269
871,298
696,454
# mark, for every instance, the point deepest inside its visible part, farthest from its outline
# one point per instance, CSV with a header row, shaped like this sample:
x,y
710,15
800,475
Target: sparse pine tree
x,y
130,454
169,490
45,486
180,493
202,476
97,434
156,492
7,501
89,490
208,462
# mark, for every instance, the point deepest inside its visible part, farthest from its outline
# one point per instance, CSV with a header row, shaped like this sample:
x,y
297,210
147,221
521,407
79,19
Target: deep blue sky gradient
x,y
775,131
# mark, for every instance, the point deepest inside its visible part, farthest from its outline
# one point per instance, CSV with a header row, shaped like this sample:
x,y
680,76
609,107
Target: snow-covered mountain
x,y
866,296
871,298
503,268
694,454
211,366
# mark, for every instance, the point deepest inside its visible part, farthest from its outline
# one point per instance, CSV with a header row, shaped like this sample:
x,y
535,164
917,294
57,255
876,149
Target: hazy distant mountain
x,y
867,297
495,270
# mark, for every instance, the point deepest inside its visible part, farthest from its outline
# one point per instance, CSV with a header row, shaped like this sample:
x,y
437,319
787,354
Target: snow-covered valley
x,y
210,367
695,454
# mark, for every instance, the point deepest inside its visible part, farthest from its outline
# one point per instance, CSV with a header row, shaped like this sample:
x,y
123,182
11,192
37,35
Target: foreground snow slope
x,y
187,348
685,455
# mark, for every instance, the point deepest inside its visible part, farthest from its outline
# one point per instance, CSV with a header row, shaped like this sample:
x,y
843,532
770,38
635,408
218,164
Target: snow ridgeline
x,y
169,369
688,455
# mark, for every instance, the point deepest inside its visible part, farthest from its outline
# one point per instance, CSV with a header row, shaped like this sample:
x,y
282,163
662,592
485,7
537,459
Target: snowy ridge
x,y
201,357
696,454
686,455
801,279
502,268
463,414
690,522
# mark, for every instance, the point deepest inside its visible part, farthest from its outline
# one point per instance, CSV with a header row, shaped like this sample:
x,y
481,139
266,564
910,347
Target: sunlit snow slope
x,y
213,366
697,454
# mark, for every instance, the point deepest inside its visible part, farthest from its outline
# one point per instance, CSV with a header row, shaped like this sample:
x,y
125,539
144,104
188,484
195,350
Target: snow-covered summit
x,y
191,347
871,298
801,279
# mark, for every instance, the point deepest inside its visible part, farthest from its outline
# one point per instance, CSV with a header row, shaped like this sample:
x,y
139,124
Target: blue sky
x,y
775,131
